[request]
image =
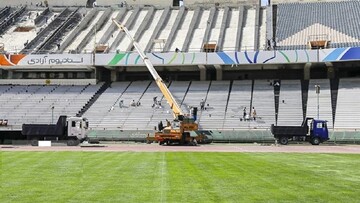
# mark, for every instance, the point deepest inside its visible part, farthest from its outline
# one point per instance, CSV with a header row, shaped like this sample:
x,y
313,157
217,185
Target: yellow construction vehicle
x,y
183,130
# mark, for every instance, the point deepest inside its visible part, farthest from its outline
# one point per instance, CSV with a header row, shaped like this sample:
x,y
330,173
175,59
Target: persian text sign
x,y
56,59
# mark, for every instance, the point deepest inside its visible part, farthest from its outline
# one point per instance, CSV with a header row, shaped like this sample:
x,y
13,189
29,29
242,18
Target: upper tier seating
x,y
335,21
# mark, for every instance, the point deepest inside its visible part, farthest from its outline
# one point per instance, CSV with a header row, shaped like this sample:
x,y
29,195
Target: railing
x,y
42,16
17,50
46,81
223,3
11,18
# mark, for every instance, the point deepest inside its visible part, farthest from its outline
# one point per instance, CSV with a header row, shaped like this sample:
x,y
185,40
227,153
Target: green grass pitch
x,y
178,177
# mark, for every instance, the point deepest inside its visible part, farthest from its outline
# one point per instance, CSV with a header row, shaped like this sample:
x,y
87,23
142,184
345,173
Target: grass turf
x,y
178,177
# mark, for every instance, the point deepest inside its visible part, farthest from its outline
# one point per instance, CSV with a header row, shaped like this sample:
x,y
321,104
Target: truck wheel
x,y
284,140
315,141
34,142
72,142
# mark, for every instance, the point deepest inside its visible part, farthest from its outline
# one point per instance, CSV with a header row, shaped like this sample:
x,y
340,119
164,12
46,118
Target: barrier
x,y
44,143
228,136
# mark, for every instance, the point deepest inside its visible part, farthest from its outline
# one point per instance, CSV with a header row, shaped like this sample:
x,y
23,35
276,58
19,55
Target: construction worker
x,y
202,104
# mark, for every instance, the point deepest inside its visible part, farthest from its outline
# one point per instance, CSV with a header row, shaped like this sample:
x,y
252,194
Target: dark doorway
x,y
210,73
176,3
103,74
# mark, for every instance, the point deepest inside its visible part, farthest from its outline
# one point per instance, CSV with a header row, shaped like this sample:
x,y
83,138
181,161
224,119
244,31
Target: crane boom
x,y
180,130
160,83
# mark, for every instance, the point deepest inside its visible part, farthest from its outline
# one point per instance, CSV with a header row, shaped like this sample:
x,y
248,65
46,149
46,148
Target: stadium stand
x,y
154,36
135,29
118,36
53,42
263,101
324,101
11,18
180,36
213,115
156,109
290,106
4,12
262,30
248,33
100,31
296,22
231,26
239,98
46,36
117,3
15,39
100,113
232,30
225,102
196,41
41,18
90,21
92,34
165,32
137,114
347,115
160,29
33,103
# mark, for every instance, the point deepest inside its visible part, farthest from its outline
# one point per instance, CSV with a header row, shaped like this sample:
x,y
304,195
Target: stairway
x,y
93,99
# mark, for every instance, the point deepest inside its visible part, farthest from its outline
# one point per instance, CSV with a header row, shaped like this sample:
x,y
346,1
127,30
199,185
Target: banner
x,y
184,58
45,60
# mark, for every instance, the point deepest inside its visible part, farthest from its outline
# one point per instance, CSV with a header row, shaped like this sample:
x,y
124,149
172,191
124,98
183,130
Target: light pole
x,y
94,51
317,89
52,115
95,27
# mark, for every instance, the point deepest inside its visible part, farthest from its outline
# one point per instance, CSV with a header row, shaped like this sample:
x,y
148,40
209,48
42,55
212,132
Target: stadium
x,y
74,61
287,60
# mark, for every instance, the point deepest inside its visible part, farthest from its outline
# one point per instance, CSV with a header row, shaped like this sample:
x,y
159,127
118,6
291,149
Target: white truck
x,y
73,130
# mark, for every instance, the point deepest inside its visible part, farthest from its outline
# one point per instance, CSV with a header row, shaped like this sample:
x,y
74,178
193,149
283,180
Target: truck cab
x,y
77,128
318,131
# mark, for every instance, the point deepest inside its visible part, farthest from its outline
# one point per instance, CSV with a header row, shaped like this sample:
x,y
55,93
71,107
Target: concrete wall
x,y
129,2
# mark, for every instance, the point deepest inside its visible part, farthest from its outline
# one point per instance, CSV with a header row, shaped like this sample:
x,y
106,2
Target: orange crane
x,y
183,129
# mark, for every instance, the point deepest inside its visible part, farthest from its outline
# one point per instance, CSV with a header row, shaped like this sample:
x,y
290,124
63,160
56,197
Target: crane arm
x,y
160,83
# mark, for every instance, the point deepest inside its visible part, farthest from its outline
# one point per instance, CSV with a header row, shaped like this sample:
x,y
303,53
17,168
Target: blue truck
x,y
311,130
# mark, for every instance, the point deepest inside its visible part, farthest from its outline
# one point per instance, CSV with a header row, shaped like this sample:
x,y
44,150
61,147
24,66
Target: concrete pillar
x,y
219,72
330,70
113,75
307,69
10,74
97,74
202,69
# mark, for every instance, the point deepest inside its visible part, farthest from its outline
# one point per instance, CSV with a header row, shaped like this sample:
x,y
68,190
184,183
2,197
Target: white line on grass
x,y
163,178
